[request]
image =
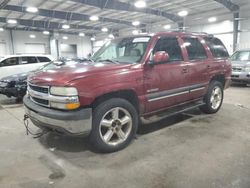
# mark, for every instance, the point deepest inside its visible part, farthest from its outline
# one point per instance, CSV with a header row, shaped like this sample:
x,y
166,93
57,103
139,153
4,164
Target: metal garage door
x,y
35,48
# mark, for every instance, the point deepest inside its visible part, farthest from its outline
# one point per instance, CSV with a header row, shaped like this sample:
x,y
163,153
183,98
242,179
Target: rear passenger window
x,y
195,49
28,60
9,62
216,47
43,59
171,46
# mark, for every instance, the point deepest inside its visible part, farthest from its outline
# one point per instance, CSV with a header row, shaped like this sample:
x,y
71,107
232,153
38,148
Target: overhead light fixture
x,y
94,18
32,36
140,4
212,19
65,38
239,19
167,26
12,21
1,29
32,9
81,34
111,36
104,29
65,26
135,32
92,38
183,13
136,23
46,32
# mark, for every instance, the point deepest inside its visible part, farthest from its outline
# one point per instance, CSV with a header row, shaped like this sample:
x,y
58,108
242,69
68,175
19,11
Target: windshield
x,y
125,50
241,56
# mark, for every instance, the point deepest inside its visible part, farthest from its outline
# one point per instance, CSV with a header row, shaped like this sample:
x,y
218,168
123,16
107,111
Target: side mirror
x,y
160,57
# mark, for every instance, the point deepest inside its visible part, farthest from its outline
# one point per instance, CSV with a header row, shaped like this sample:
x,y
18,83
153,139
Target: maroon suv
x,y
129,81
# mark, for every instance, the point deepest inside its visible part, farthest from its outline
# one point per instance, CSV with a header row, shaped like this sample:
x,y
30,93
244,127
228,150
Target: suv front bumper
x,y
243,77
78,122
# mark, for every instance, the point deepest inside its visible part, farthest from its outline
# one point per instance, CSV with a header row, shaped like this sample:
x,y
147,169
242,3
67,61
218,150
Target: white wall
x,y
21,39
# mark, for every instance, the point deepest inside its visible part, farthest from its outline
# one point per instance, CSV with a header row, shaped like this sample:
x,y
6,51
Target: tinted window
x,y
28,60
216,47
171,46
10,61
43,59
195,49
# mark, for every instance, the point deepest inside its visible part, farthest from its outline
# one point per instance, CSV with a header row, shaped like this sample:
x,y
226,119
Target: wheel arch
x,y
220,78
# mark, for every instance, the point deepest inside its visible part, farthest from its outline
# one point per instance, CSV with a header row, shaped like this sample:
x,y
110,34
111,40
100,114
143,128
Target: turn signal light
x,y
72,106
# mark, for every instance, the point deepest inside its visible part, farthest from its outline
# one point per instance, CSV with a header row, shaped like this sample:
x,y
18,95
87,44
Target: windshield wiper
x,y
109,60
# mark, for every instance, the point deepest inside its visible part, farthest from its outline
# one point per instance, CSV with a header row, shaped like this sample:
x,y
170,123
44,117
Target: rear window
x,y
28,60
43,59
195,49
217,48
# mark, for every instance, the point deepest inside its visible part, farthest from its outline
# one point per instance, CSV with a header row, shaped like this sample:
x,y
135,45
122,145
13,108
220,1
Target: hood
x,y
16,77
62,76
240,63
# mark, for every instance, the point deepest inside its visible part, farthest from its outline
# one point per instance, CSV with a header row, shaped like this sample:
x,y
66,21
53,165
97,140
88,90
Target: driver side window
x,y
171,46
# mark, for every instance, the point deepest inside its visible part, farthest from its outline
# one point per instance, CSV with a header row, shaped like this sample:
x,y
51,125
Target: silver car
x,y
241,66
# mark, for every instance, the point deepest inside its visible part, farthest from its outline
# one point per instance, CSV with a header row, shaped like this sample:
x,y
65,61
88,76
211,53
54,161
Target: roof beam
x,y
48,25
122,6
66,15
229,5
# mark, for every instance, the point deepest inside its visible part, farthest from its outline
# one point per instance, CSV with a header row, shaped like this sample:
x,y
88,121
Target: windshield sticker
x,y
141,39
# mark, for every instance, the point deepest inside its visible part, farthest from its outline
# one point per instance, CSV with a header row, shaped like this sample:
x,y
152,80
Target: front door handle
x,y
184,70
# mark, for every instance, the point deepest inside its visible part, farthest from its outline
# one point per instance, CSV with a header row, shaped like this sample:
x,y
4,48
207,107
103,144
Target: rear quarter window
x,y
216,47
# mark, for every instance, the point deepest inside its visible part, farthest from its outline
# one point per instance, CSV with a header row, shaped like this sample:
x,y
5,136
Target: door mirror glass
x,y
160,57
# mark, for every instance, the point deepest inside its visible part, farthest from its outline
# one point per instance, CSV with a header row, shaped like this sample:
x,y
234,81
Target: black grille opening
x,y
41,101
39,89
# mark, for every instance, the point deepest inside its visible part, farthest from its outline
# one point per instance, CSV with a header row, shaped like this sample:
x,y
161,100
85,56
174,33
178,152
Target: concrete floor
x,y
191,150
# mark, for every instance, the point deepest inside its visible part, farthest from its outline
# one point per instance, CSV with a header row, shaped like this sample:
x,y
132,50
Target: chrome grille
x,y
237,69
39,94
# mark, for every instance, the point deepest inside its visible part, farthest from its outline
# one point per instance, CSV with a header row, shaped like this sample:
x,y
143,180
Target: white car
x,y
15,64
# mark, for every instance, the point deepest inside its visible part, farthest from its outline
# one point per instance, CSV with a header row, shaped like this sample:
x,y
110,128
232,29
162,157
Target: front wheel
x,y
115,123
214,98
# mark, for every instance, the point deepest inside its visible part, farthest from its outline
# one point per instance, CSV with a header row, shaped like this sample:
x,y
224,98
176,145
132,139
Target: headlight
x,y
63,91
247,69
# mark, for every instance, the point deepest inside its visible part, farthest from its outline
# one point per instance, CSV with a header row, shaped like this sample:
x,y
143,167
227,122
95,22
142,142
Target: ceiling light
x,y
104,29
140,4
212,19
32,9
11,21
167,27
135,32
94,18
32,36
81,34
111,36
183,13
65,38
1,29
65,26
135,23
239,19
92,38
46,32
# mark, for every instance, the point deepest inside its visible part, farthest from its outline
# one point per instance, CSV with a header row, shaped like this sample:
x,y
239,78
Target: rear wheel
x,y
115,123
214,98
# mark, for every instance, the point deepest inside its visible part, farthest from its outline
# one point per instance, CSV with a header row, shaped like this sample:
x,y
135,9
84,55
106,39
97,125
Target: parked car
x,y
16,64
241,66
16,85
131,80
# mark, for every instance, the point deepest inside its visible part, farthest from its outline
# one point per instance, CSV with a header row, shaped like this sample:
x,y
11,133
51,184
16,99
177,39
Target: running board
x,y
171,112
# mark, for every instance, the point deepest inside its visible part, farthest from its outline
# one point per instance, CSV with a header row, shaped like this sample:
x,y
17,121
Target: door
x,y
29,63
9,66
164,82
197,66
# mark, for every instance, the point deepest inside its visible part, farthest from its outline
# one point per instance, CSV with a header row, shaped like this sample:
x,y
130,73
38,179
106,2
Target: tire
x,y
212,100
114,125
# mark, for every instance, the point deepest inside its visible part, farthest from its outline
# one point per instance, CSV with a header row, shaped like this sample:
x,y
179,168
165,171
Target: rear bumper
x,y
242,77
78,122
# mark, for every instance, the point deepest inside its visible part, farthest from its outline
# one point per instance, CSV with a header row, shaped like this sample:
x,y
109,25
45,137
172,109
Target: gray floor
x,y
191,150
